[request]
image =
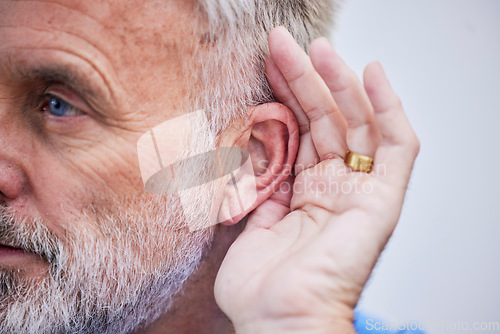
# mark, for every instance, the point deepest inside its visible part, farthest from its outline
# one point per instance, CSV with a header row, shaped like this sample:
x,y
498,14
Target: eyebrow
x,y
70,77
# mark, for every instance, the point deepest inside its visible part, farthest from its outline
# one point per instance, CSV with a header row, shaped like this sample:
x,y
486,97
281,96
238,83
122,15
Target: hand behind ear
x,y
303,271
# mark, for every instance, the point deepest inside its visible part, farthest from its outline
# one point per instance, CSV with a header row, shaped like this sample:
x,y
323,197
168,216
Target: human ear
x,y
270,141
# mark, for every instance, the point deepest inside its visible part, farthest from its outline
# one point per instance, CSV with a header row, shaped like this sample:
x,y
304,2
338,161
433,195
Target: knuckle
x,y
417,146
295,75
317,112
299,73
413,143
391,104
397,103
342,82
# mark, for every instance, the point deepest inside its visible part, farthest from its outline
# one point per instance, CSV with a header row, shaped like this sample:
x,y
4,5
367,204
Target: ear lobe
x,y
272,145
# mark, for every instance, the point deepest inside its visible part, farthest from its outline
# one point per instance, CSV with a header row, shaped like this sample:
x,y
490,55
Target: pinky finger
x,y
399,145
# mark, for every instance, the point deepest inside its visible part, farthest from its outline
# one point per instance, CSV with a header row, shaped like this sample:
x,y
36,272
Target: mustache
x,y
30,235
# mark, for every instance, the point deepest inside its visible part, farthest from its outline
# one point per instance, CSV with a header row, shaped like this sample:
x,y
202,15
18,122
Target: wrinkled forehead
x,y
132,20
106,27
122,42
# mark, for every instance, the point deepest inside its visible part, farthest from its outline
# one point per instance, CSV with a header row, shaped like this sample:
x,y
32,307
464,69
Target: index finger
x,y
328,126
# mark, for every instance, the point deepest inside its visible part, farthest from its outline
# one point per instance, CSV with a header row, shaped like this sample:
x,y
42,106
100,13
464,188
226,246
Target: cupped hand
x,y
306,253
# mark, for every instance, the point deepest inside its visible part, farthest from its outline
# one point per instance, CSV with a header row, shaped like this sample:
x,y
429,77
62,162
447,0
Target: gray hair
x,y
234,50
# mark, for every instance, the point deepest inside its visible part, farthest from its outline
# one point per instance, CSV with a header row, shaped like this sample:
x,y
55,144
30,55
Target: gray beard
x,y
116,271
115,281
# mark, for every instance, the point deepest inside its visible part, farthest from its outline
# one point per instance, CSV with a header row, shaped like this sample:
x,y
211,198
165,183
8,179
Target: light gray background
x,y
443,58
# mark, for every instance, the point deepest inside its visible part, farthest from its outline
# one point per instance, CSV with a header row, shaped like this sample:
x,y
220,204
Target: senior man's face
x,y
80,81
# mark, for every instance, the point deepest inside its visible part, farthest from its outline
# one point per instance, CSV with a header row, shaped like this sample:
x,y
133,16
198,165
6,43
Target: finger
x,y
399,144
284,94
362,132
326,122
307,155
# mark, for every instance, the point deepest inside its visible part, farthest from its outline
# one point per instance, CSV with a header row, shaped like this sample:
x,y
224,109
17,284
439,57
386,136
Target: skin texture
x,y
323,247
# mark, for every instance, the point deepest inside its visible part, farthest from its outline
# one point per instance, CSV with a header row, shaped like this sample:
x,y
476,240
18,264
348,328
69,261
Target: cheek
x,y
73,180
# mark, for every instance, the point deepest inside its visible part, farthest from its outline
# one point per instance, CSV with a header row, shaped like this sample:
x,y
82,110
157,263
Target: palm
x,y
312,251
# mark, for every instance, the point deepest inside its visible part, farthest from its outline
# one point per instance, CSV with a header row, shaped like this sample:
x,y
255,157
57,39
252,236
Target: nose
x,y
12,176
11,180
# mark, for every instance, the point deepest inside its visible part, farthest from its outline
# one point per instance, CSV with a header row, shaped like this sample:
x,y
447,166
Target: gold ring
x,y
358,162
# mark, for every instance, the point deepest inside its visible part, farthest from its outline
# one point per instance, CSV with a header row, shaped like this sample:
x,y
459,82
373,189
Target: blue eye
x,y
59,107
